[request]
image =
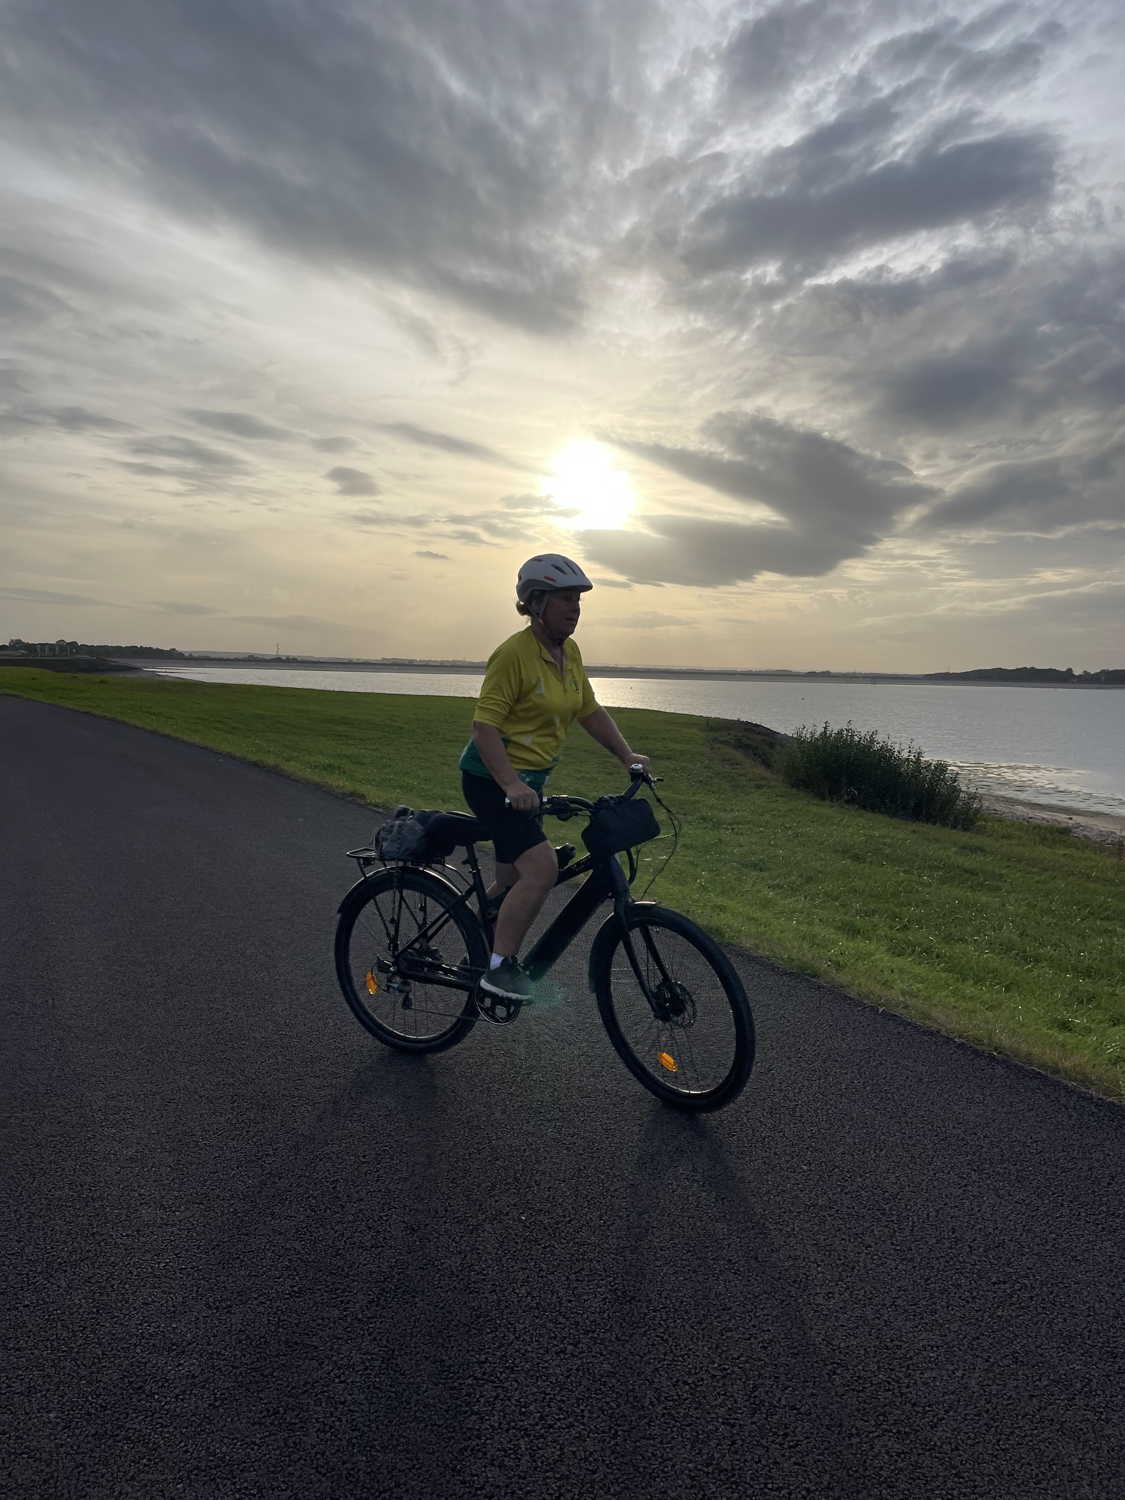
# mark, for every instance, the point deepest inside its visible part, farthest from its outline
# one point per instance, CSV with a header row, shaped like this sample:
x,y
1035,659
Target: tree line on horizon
x,y
82,648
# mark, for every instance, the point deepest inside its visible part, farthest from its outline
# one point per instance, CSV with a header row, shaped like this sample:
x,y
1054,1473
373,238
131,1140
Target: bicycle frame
x,y
606,880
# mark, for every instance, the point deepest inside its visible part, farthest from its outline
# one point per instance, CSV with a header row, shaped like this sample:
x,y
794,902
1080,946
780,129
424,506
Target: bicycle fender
x,y
606,935
363,879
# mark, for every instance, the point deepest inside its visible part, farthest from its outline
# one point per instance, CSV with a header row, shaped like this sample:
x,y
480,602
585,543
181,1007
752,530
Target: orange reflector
x,y
372,983
666,1060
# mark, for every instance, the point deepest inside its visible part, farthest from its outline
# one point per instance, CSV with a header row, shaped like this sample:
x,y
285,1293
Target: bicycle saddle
x,y
446,831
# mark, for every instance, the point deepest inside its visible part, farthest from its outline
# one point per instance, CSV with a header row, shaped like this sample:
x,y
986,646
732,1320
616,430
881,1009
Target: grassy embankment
x,y
1011,936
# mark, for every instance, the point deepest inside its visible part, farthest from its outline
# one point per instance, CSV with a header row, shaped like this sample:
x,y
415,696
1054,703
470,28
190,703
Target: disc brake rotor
x,y
673,1004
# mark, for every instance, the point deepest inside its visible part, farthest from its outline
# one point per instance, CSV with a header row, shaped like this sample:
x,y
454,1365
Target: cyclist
x,y
534,687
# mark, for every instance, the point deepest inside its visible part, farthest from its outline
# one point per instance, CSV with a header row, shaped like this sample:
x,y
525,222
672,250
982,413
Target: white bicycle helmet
x,y
550,570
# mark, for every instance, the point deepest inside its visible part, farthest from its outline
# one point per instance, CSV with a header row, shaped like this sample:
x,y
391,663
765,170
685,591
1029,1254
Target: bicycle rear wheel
x,y
392,927
679,1020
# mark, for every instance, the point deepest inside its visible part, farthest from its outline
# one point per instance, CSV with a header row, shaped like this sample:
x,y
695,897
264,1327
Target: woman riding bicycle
x,y
534,687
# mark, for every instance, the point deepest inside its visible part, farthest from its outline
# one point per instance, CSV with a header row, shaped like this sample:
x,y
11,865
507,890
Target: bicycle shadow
x,y
691,1236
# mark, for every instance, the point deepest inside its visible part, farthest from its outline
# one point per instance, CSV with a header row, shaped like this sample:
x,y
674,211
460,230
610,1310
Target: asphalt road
x,y
251,1252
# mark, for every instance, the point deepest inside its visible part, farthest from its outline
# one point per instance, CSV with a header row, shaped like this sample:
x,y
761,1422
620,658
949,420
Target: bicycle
x,y
407,936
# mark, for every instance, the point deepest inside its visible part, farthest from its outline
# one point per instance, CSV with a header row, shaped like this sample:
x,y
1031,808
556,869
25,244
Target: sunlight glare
x,y
584,479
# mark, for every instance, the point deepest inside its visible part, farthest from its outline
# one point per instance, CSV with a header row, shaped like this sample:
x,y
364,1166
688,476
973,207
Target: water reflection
x,y
1055,746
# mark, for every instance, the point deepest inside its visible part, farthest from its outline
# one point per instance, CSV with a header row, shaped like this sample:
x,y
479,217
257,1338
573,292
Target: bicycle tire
x,y
375,944
668,1044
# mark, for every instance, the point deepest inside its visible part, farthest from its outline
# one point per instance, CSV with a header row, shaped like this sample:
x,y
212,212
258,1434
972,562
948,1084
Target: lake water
x,y
1061,747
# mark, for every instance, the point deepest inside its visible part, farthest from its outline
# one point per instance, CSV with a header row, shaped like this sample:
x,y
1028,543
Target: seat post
x,y
478,879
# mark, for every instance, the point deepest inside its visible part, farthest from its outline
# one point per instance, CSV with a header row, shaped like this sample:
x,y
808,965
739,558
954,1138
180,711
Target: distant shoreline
x,y
476,669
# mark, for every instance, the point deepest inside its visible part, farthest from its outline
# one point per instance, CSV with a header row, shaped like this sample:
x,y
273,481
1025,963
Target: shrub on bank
x,y
847,765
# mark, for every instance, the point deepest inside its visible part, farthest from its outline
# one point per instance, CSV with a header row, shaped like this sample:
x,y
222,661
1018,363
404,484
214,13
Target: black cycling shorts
x,y
512,833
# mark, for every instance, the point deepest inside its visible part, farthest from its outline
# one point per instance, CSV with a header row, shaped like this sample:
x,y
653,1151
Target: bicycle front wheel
x,y
676,1012
398,930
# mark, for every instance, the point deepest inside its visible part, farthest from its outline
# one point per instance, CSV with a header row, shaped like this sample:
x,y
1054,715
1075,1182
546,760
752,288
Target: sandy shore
x,y
1098,827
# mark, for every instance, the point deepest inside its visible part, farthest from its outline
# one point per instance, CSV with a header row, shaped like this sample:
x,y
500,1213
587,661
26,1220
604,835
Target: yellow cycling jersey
x,y
531,703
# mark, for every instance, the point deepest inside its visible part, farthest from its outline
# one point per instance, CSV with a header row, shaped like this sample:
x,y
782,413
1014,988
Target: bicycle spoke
x,y
673,1012
398,922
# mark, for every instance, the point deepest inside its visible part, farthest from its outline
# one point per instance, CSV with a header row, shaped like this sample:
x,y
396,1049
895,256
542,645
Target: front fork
x,y
618,925
654,954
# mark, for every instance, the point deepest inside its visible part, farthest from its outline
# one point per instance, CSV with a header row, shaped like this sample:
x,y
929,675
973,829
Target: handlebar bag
x,y
619,823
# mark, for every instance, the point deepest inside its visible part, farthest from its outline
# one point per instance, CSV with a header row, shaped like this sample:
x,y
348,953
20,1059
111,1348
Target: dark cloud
x,y
193,465
468,537
386,520
1039,493
495,525
929,189
946,391
444,442
188,451
436,556
707,554
848,54
239,424
1107,384
890,134
78,419
68,418
352,481
332,444
767,54
946,54
883,294
829,502
1026,351
439,526
444,143
802,475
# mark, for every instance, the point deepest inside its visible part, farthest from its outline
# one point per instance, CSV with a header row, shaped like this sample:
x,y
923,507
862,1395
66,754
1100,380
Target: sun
x,y
585,481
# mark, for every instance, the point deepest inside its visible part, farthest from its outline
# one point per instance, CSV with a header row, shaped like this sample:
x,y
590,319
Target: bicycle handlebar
x,y
563,806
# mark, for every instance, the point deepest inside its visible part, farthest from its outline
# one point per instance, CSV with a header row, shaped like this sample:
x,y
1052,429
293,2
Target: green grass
x,y
1011,936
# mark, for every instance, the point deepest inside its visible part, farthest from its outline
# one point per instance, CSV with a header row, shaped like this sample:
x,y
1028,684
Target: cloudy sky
x,y
801,326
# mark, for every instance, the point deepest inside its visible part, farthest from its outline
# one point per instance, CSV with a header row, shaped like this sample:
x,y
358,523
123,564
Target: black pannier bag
x,y
620,823
404,836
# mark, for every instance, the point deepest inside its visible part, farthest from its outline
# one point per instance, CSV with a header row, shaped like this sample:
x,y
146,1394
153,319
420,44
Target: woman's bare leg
x,y
536,872
504,878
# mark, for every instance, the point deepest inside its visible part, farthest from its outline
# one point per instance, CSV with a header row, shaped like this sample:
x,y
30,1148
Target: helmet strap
x,y
540,630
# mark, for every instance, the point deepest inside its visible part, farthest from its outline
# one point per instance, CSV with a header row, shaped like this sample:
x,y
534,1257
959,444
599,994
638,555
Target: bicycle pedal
x,y
497,1008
